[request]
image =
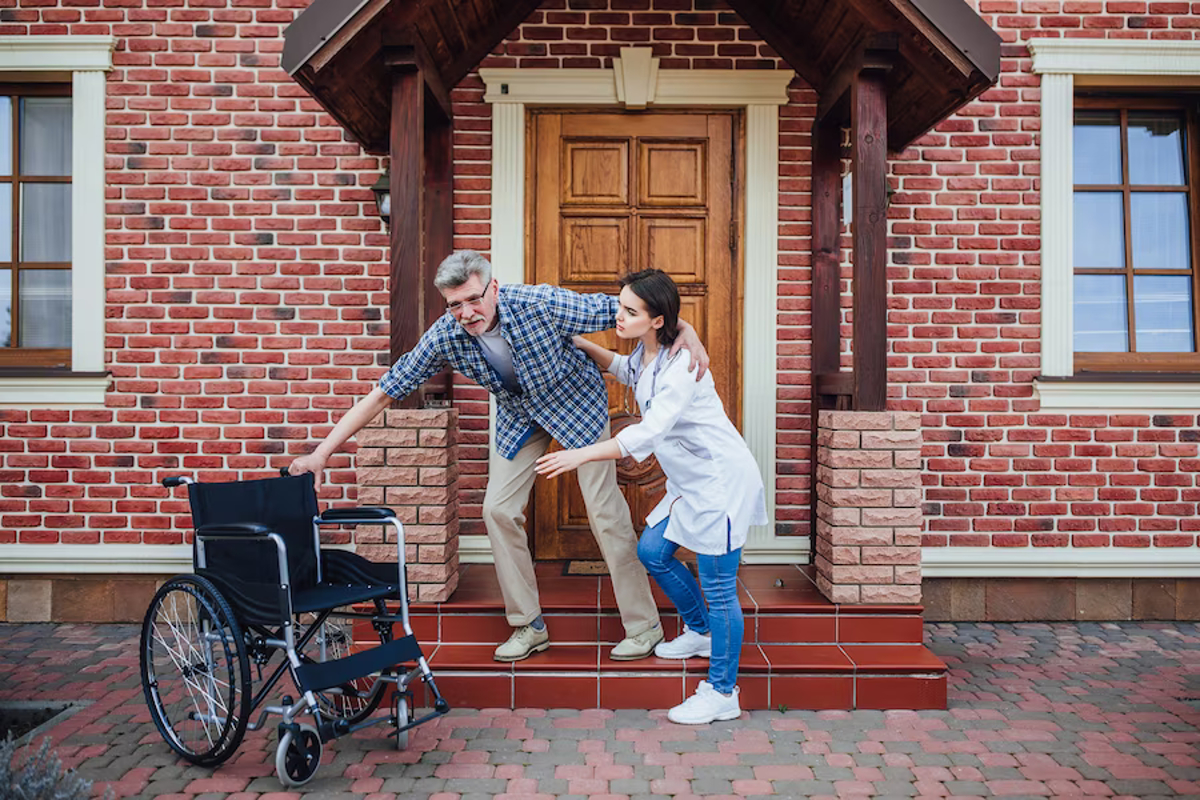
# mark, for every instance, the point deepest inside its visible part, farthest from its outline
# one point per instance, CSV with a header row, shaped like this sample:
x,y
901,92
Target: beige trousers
x,y
509,485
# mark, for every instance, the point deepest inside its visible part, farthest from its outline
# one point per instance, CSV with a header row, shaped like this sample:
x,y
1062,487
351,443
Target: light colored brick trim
x,y
1060,562
83,559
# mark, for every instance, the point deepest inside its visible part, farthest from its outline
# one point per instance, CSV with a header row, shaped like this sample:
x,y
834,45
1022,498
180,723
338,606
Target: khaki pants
x,y
509,485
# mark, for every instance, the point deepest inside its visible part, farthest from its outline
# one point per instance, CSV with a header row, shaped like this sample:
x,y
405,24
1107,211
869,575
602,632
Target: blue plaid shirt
x,y
561,389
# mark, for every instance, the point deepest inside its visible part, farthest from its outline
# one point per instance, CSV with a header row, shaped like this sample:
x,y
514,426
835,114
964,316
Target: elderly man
x,y
515,341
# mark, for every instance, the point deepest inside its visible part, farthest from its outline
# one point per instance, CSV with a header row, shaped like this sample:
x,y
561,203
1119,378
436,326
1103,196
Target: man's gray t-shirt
x,y
498,353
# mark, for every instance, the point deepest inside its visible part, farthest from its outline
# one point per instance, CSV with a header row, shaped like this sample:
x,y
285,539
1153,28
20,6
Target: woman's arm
x,y
601,355
554,464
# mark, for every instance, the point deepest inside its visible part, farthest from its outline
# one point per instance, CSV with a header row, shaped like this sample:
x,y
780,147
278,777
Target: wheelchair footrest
x,y
323,675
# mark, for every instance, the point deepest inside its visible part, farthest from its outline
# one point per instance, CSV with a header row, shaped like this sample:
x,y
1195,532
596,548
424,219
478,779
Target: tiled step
x,y
800,651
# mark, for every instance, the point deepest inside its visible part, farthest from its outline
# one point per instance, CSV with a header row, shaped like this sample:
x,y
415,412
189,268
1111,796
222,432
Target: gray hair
x,y
458,267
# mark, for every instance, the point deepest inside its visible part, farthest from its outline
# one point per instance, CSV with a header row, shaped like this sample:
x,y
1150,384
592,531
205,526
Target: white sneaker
x,y
706,705
688,645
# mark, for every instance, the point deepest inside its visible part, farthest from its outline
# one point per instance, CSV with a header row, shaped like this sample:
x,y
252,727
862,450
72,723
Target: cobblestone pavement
x,y
1035,710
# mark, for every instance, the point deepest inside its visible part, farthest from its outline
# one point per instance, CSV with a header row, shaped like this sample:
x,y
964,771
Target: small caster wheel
x,y
298,756
404,716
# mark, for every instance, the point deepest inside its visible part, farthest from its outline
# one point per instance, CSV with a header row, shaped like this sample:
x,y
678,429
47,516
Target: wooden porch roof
x,y
342,52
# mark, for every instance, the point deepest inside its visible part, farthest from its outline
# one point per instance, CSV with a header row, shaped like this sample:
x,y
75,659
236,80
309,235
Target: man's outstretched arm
x,y
351,423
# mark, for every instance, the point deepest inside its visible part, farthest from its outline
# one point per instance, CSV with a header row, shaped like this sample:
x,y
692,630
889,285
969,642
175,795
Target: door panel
x,y
613,193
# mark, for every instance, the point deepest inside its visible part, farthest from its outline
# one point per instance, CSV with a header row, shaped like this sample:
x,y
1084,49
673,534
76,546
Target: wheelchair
x,y
261,584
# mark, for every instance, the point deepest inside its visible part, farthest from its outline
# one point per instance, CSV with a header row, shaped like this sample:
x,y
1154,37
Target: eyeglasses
x,y
474,300
459,305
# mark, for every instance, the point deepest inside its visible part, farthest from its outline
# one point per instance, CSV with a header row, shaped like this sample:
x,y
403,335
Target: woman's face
x,y
633,318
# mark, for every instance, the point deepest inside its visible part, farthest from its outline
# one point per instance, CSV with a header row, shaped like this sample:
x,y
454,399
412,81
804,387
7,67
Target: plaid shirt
x,y
561,389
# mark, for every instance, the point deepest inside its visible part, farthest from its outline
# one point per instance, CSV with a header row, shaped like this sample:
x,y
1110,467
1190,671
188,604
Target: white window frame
x,y
82,60
1065,64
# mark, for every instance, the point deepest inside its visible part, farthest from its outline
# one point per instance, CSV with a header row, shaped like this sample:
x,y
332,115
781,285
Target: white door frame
x,y
636,82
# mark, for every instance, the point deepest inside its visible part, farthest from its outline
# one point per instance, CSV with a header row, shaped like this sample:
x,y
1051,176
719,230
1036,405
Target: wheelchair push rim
x,y
195,671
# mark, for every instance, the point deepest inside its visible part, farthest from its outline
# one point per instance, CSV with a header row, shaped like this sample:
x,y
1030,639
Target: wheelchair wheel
x,y
195,671
298,756
404,716
353,701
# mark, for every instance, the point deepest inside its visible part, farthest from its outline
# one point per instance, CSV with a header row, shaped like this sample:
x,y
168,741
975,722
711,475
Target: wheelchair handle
x,y
283,472
176,480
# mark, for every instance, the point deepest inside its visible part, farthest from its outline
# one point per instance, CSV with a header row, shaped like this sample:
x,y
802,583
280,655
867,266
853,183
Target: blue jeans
x,y
718,577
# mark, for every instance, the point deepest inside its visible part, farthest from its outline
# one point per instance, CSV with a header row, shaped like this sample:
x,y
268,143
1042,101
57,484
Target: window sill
x,y
1148,395
53,390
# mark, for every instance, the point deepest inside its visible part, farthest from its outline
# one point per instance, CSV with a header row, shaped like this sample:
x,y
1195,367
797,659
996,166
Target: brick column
x,y
408,460
869,506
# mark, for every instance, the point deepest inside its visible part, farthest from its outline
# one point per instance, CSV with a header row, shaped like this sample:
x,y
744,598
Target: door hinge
x,y
733,235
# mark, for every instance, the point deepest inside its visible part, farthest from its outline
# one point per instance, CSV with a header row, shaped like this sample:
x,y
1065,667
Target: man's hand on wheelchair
x,y
310,463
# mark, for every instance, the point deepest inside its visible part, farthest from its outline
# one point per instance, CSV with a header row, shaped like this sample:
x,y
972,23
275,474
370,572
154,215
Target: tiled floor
x,y
1036,710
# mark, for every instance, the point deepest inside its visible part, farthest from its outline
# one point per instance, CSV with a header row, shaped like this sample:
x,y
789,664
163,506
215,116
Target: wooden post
x,y
407,150
868,123
439,236
826,311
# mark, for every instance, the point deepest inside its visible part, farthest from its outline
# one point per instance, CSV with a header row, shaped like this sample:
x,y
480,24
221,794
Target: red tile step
x,y
800,651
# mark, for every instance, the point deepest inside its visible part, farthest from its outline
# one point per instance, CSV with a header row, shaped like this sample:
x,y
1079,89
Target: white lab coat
x,y
714,489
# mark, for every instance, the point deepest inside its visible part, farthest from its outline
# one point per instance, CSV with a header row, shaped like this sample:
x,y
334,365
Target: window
x,y
35,225
1078,373
1134,257
53,94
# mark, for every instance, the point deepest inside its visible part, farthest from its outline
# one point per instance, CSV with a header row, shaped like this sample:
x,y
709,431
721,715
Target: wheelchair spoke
x,y
195,670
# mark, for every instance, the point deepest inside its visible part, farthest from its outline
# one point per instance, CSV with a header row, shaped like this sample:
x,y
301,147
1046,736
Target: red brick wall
x,y
246,275
965,324
247,288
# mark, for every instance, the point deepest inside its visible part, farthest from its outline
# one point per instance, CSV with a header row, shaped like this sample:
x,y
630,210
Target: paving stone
x,y
1023,698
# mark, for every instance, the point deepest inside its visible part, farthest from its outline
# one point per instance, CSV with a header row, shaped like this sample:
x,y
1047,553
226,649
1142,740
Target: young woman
x,y
714,491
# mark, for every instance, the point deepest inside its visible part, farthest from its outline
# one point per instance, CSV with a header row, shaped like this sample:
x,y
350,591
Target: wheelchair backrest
x,y
285,505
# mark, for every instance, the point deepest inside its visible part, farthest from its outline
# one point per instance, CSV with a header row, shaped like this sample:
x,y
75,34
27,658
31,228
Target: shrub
x,y
39,775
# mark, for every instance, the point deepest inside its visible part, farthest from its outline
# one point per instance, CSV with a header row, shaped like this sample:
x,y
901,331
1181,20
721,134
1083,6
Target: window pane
x,y
45,307
1162,305
1100,324
45,137
5,136
1099,229
5,222
1155,148
46,222
1159,227
1097,147
6,308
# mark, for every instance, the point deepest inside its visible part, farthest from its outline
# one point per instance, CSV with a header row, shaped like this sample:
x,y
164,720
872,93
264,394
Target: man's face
x,y
473,304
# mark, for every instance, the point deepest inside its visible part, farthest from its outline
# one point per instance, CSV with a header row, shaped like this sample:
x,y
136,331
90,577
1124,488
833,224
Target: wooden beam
x,y
513,14
407,150
439,236
877,51
868,123
782,39
415,57
826,236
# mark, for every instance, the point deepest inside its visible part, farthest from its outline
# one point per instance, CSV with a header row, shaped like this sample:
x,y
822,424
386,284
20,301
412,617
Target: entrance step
x,y
800,650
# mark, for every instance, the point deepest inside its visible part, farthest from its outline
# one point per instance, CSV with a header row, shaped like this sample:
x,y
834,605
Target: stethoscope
x,y
637,367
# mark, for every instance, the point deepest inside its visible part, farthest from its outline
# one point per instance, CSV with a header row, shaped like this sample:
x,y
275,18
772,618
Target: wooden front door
x,y
612,193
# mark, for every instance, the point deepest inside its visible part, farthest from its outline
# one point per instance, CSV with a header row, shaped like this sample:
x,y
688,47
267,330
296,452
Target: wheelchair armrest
x,y
233,530
336,516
